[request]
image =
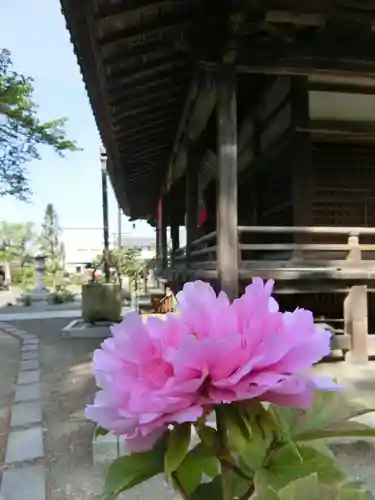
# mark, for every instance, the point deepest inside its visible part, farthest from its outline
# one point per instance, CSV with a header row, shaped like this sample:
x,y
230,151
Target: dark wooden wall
x,y
344,184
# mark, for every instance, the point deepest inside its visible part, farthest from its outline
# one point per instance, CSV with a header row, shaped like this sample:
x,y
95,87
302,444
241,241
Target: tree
x,y
128,262
50,242
16,243
21,132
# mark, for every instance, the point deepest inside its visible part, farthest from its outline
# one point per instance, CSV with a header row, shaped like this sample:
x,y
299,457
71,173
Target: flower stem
x,y
226,471
178,484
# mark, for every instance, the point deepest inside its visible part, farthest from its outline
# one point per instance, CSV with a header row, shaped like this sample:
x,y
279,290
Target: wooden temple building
x,y
252,123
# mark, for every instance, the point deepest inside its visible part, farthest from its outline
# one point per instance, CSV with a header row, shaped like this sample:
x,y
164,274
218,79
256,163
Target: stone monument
x,y
40,293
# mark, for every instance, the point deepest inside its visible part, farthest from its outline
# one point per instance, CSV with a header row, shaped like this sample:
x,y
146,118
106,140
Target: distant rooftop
x,y
134,241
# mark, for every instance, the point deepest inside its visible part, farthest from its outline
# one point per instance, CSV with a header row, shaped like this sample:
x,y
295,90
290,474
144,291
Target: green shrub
x,y
61,295
23,277
26,300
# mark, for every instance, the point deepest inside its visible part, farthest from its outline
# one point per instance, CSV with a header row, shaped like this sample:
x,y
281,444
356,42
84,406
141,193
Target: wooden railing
x,y
348,259
262,254
202,250
307,260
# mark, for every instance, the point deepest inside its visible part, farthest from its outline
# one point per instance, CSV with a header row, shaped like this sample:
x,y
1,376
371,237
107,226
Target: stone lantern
x,y
40,292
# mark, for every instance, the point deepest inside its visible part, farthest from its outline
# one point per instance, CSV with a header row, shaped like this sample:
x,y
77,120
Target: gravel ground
x,y
9,358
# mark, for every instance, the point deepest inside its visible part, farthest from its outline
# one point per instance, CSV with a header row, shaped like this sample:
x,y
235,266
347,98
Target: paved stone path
x,y
57,313
23,476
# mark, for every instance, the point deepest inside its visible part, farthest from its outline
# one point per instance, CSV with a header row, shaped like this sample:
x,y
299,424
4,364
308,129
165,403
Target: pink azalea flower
x,y
212,352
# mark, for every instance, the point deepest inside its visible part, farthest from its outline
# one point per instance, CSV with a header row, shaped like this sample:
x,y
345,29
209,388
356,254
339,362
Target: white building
x,y
83,245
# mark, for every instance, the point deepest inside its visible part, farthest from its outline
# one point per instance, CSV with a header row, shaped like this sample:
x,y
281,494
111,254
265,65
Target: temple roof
x,y
144,63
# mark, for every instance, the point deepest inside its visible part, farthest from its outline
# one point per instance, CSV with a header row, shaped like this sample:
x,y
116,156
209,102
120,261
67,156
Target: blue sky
x,y
34,31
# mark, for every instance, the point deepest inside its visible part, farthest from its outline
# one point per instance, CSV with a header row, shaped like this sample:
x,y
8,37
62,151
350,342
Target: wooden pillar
x,y
157,236
356,311
302,168
227,204
163,235
175,237
192,171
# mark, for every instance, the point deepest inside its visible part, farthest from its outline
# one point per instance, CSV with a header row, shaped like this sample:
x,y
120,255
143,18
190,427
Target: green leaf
x,y
177,447
129,470
338,492
208,491
327,409
283,431
99,431
306,488
211,439
198,461
189,475
234,423
344,429
285,467
256,447
322,448
354,494
268,494
240,485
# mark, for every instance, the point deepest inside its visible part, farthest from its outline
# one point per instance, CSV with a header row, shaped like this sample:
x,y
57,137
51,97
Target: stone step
x,y
27,483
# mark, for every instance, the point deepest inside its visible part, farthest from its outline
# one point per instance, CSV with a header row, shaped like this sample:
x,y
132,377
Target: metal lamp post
x,y
103,162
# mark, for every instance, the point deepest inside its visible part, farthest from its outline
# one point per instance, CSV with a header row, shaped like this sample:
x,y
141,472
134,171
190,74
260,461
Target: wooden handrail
x,y
199,241
203,251
204,239
272,247
307,230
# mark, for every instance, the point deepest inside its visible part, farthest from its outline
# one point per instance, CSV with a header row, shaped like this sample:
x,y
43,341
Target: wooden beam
x,y
150,109
299,19
332,53
149,88
106,10
163,95
162,67
130,55
172,23
139,126
199,105
227,209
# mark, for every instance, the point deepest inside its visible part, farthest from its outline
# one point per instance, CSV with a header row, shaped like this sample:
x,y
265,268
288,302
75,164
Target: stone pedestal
x,y
101,302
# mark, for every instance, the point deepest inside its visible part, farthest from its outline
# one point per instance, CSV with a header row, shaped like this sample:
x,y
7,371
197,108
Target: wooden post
x,y
175,237
158,237
192,172
227,209
163,236
302,163
356,311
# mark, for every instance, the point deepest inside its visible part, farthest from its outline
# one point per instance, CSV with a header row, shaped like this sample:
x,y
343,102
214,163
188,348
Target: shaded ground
x,y
67,386
9,358
358,458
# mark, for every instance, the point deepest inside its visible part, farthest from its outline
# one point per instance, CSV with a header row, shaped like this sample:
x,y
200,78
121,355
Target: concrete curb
x,y
23,477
